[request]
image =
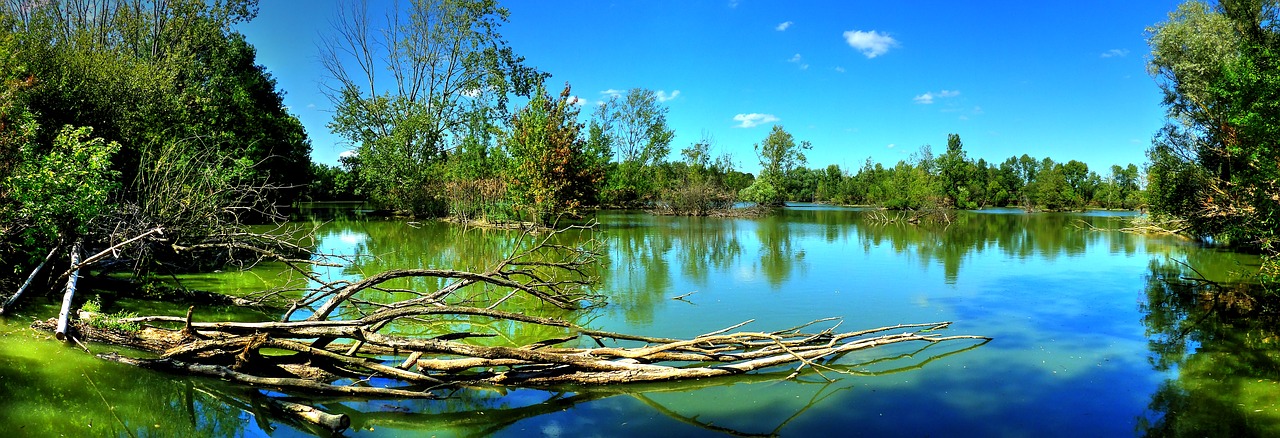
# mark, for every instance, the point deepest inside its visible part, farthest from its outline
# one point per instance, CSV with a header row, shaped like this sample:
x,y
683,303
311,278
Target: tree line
x,y
953,180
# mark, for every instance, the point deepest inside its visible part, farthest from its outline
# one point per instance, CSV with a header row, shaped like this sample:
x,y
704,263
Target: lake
x,y
1094,334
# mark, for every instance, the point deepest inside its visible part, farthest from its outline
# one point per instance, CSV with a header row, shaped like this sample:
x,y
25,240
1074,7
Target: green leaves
x,y
779,157
634,128
61,191
551,170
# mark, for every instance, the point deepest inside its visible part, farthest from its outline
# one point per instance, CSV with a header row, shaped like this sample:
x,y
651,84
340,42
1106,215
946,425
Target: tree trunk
x,y
13,299
69,295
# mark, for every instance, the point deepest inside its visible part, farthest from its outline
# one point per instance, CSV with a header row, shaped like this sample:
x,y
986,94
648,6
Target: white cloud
x,y
891,146
839,69
611,93
1115,53
733,3
754,119
783,26
348,153
799,60
929,96
871,43
578,100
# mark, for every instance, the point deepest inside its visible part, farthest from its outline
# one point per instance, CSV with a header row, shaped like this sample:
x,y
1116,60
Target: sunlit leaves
x,y
551,170
61,191
1214,163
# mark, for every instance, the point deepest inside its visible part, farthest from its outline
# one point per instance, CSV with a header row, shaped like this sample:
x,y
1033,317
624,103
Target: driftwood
x,y
8,304
69,295
344,338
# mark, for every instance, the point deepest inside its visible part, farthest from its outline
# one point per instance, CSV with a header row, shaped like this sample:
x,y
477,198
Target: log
x,y
222,372
8,304
334,423
69,295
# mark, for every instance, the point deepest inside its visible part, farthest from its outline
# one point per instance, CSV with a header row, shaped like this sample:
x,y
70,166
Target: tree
x,y
550,172
634,126
954,174
405,95
779,157
696,186
146,73
1213,164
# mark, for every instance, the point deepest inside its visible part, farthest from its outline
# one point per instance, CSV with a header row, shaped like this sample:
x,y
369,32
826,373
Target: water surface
x,y
1092,335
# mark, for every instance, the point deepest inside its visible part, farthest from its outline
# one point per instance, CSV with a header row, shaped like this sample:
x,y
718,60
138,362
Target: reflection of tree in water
x,y
707,245
640,258
1224,347
1014,235
780,254
638,275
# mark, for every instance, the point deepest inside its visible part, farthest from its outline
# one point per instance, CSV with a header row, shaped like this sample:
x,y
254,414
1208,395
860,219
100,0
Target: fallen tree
x,y
332,340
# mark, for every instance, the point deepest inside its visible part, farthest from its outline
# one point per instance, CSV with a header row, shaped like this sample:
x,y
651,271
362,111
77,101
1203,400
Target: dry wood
x,y
69,295
334,423
8,304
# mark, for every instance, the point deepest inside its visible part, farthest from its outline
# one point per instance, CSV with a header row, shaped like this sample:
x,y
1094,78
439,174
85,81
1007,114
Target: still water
x,y
1094,335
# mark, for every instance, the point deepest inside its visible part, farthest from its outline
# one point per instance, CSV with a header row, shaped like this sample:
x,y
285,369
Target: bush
x,y
762,192
698,199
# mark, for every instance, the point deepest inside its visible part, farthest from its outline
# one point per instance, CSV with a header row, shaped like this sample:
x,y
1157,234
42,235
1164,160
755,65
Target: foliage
x,y
699,184
550,172
404,96
144,74
780,156
58,193
761,192
116,321
953,180
634,126
1213,163
332,183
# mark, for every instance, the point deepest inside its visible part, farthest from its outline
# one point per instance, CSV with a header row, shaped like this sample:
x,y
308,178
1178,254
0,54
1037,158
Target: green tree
x,y
634,125
404,94
147,74
1213,164
60,191
200,126
550,172
954,173
780,156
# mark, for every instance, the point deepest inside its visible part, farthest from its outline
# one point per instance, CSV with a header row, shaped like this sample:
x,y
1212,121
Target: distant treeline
x,y
924,180
955,181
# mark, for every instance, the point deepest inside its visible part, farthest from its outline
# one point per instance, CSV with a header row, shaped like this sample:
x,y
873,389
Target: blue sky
x,y
858,79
